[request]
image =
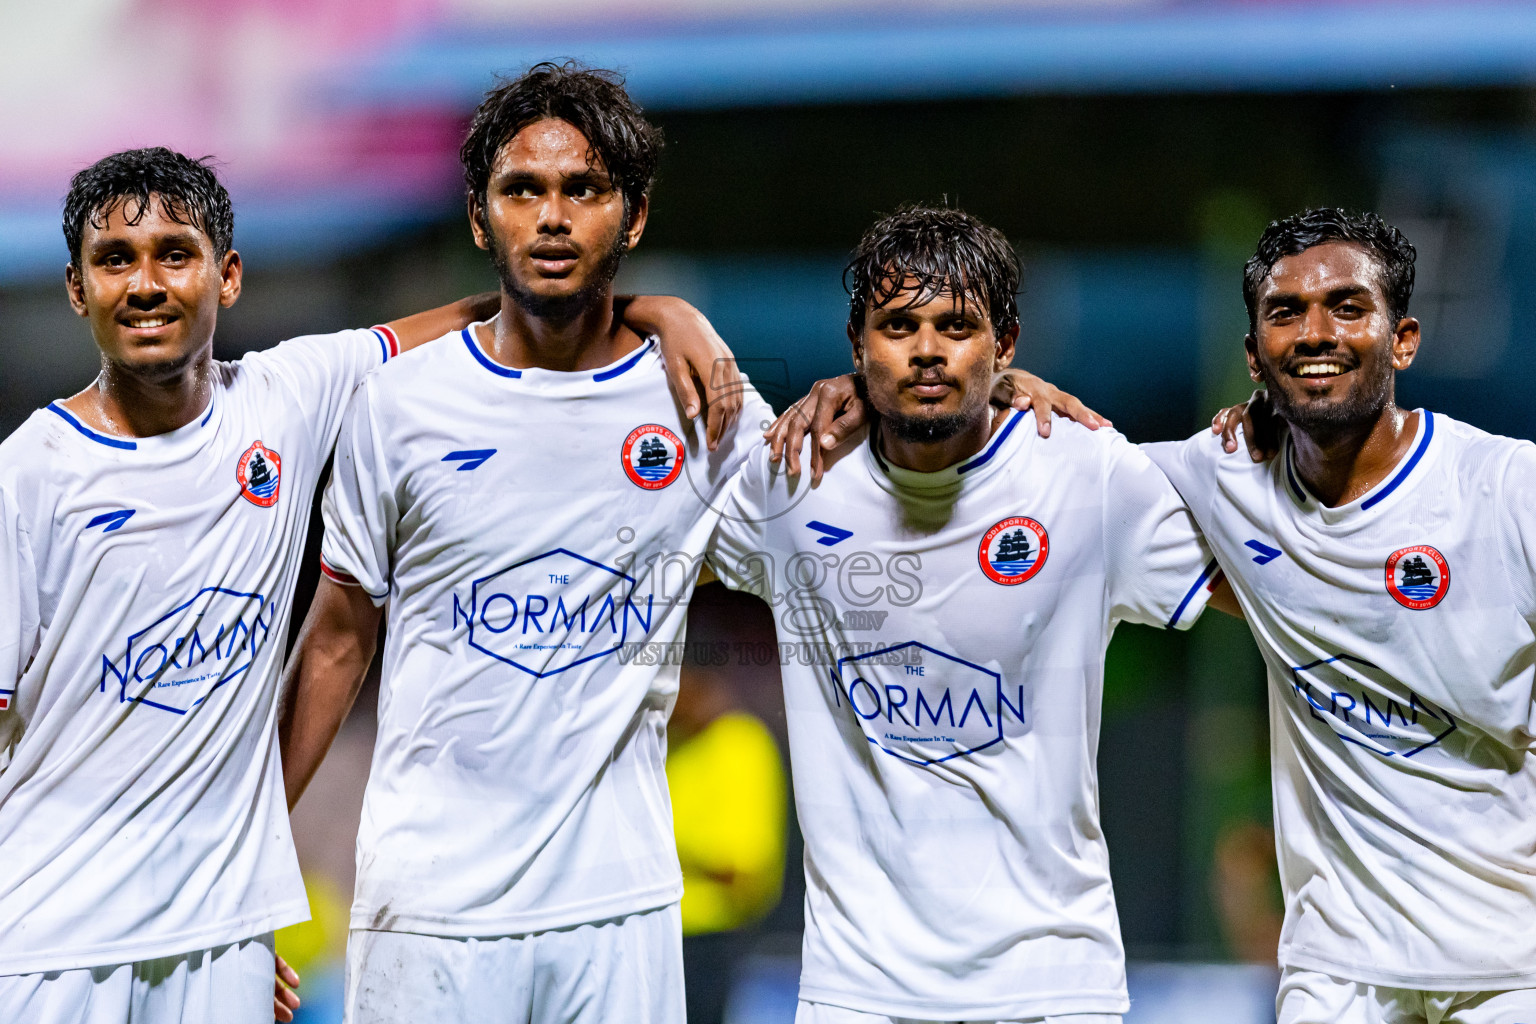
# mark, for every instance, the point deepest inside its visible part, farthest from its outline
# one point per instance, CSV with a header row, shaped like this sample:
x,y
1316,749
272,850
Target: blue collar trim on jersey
x,y
628,364
1290,476
110,442
1205,575
1413,460
992,449
485,360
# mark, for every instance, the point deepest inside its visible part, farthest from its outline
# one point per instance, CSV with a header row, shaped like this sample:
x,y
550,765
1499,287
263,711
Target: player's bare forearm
x,y
429,325
700,366
320,685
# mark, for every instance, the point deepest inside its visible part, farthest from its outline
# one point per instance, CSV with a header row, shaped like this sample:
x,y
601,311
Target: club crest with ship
x,y
1418,577
1013,551
652,456
259,473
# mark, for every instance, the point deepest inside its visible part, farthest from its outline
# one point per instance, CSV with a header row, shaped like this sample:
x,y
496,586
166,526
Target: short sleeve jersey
x,y
1397,633
534,537
145,587
942,640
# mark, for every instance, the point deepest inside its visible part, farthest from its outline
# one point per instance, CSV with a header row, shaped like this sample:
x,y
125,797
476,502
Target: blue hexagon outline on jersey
x,y
998,699
474,597
1319,710
224,677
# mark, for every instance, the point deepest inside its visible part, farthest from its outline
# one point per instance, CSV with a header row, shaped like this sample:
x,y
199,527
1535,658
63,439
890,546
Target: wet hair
x,y
591,100
936,250
188,191
1394,255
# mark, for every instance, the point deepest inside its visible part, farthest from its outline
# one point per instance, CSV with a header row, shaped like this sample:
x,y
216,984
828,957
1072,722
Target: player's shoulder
x,y
1476,457
40,458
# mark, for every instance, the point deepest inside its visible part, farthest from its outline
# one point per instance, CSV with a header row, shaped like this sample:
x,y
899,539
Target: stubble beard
x,y
1331,419
919,429
561,309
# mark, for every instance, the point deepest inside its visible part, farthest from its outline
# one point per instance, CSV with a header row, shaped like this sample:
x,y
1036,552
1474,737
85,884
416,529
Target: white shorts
x,y
825,1013
626,969
1307,997
229,984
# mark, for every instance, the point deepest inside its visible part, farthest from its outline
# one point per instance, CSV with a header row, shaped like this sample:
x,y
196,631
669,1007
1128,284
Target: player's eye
x,y
582,190
175,257
521,190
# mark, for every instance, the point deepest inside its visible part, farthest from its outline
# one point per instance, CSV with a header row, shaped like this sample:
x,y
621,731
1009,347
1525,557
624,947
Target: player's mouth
x,y
554,260
930,387
148,325
1319,372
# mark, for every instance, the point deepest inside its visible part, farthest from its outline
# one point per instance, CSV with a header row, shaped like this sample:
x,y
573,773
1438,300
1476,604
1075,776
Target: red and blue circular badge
x,y
652,456
1418,577
259,473
1014,550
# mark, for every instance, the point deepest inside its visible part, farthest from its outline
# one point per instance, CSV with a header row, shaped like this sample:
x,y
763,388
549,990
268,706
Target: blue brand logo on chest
x,y
180,659
1364,706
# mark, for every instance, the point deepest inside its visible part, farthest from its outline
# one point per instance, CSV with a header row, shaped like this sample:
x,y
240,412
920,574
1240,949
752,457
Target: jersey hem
x,y
456,926
1050,1005
109,954
1461,981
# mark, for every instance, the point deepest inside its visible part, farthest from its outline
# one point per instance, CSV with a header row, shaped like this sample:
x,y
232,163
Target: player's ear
x,y
637,217
1251,346
232,272
476,208
1405,343
74,284
1007,344
858,349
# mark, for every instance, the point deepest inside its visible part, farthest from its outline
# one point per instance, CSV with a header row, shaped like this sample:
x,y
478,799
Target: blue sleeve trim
x,y
628,364
110,442
1205,575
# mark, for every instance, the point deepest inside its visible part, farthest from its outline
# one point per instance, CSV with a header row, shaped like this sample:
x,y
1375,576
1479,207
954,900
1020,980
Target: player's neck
x,y
1342,464
590,340
932,456
123,403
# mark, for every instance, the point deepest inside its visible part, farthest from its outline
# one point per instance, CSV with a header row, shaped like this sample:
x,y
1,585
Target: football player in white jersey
x,y
946,593
1386,561
515,495
150,533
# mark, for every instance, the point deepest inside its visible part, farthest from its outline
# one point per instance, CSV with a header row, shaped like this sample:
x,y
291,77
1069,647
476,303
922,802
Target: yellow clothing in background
x,y
728,813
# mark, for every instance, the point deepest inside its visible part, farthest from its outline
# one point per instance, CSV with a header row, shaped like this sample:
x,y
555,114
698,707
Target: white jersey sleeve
x,y
18,619
359,507
736,549
1158,568
1518,507
322,371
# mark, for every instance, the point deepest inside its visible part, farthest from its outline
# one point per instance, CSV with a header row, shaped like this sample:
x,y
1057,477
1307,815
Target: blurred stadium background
x,y
1133,149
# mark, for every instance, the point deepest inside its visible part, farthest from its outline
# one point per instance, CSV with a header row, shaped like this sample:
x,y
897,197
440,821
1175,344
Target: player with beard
x,y
514,497
945,774
1386,561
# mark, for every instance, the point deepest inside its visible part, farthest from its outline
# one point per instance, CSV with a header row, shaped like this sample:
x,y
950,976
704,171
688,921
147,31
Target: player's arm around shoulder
x,y
1159,569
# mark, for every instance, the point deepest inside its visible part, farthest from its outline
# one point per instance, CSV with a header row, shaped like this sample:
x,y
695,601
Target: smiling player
x,y
1386,561
945,775
150,532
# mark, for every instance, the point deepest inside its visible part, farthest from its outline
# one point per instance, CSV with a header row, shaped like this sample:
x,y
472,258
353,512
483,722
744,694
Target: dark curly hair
x,y
939,250
188,190
1394,254
591,100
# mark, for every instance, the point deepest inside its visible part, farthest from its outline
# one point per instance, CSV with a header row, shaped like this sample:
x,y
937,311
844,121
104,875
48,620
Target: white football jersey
x,y
942,641
535,537
145,587
1397,632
